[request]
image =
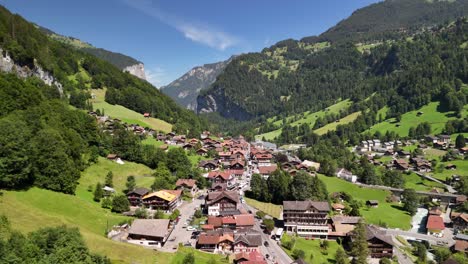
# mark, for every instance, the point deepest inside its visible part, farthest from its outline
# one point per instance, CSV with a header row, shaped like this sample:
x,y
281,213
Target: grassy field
x,y
410,119
413,181
269,208
390,213
332,126
462,169
127,115
312,247
307,118
97,173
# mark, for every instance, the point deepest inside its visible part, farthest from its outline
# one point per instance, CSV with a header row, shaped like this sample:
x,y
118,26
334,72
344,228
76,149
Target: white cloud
x,y
196,32
156,76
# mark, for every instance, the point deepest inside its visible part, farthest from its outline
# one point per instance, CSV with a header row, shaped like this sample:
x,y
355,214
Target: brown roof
x,y
342,219
435,211
245,220
251,239
337,206
149,227
216,196
186,182
267,169
462,216
304,205
208,239
373,232
112,156
223,174
461,245
140,191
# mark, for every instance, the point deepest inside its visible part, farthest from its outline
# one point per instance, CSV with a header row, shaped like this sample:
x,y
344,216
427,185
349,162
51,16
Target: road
x,y
179,234
449,188
446,239
276,253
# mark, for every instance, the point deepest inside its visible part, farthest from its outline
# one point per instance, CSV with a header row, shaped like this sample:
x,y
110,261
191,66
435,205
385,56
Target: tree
x,y
341,257
159,214
305,186
354,206
177,160
141,213
260,214
98,192
269,224
442,254
130,184
175,214
298,254
106,203
420,251
189,259
359,249
109,179
120,204
460,141
410,201
278,186
198,213
393,178
163,178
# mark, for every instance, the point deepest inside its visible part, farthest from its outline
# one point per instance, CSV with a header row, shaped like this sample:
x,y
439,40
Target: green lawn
x,y
269,208
332,126
97,173
127,115
152,141
410,119
413,181
308,118
390,213
462,169
312,247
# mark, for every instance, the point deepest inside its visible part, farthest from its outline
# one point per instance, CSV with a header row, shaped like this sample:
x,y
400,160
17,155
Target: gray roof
x,y
149,227
460,236
141,191
345,219
373,232
304,205
251,239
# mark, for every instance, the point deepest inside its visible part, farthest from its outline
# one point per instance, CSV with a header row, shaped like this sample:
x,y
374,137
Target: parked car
x,y
266,244
191,228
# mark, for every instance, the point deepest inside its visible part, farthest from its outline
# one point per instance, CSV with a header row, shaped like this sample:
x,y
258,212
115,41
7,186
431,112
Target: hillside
x,y
119,60
185,89
308,75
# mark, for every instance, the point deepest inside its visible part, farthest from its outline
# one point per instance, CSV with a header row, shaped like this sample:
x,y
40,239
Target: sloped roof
x,y
373,232
149,227
267,169
216,196
140,191
251,239
304,205
167,195
186,182
435,222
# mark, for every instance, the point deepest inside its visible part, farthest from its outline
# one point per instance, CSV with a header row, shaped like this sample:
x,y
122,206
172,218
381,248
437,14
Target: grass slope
x,y
312,247
332,126
390,213
431,114
127,115
307,118
97,173
269,208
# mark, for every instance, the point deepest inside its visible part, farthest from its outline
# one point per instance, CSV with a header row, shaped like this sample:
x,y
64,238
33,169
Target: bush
x,y
288,245
141,213
120,204
298,254
198,213
106,203
260,214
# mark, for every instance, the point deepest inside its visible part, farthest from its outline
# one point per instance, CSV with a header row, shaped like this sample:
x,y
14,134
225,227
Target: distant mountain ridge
x,y
185,89
297,76
121,61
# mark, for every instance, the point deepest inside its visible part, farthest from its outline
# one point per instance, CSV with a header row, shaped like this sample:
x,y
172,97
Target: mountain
x,y
121,61
313,73
185,89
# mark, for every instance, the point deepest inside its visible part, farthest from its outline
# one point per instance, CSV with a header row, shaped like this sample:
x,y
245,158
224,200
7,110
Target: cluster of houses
x,y
107,124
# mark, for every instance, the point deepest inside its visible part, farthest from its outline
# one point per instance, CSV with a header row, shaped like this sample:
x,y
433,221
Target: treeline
x,y
47,245
26,44
280,186
43,141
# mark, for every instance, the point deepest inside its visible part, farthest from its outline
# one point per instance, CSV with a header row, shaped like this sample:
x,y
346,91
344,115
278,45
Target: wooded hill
x,y
405,63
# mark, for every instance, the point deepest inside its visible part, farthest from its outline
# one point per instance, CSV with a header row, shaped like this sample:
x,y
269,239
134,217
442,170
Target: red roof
x,y
146,114
245,220
253,257
435,222
223,174
262,156
238,220
186,182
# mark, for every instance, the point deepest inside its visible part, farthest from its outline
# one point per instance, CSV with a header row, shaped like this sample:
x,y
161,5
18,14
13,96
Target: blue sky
x,y
171,37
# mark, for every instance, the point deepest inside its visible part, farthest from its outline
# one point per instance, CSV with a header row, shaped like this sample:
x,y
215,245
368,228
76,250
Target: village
x,y
217,219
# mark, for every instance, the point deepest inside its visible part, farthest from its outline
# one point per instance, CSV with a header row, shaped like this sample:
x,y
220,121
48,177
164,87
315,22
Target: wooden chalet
x,y
135,197
222,203
379,244
166,200
188,185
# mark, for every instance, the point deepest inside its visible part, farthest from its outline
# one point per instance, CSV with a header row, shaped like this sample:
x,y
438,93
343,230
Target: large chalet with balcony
x,y
222,203
135,197
306,218
379,244
165,200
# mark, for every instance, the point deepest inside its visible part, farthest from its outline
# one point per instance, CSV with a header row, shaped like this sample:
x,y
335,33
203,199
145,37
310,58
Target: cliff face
x,y
186,89
8,65
216,101
137,70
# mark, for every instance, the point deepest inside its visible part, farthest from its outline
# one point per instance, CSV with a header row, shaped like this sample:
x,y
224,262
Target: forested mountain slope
x,y
311,74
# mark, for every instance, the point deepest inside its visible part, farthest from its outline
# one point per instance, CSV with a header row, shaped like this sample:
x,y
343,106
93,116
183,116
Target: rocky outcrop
x,y
137,70
7,64
216,101
186,89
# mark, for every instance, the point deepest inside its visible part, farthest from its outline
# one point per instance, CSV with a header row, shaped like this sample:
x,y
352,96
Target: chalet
x,y
205,134
222,177
112,156
202,152
460,199
435,210
263,159
460,222
372,203
450,166
311,165
421,164
444,139
338,208
253,257
222,203
379,244
237,164
342,226
464,150
161,137
135,197
179,140
435,225
431,139
247,242
215,242
346,175
108,191
166,200
401,164
306,218
224,156
187,146
266,171
218,187
146,115
188,185
232,222
149,232
461,243
208,164
404,154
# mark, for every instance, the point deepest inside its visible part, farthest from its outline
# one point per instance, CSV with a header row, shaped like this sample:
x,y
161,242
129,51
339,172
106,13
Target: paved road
x,y
449,188
447,238
179,234
277,254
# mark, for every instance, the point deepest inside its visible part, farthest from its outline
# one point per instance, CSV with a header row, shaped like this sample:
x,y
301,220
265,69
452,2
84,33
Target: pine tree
x,y
98,192
341,257
460,141
359,249
109,179
130,184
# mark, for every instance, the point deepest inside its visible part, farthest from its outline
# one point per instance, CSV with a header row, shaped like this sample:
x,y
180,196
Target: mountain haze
x,y
185,89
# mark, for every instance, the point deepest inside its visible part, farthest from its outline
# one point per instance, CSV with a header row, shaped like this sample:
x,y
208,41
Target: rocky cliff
x,y
186,89
7,64
137,70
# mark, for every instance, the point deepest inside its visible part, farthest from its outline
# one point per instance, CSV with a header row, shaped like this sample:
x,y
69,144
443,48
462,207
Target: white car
x,y
191,228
